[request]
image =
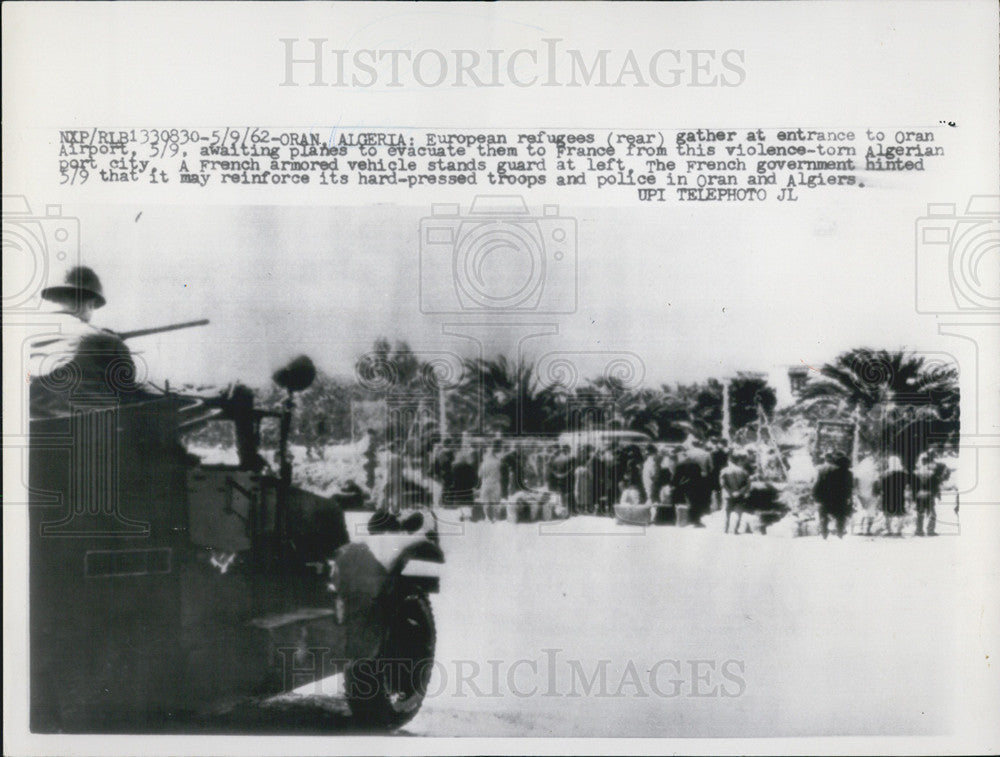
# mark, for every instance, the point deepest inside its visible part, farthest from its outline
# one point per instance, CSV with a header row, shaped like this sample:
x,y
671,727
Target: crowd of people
x,y
589,480
889,490
503,476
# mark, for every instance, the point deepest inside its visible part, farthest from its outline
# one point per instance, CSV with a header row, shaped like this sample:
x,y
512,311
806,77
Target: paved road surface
x,y
586,628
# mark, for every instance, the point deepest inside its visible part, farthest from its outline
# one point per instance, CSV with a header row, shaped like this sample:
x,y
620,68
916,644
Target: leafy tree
x,y
747,392
671,413
674,413
704,407
389,369
902,401
640,410
507,395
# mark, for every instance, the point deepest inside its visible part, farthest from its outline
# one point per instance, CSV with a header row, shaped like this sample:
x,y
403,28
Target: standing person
x,y
371,460
392,496
548,467
651,475
602,467
568,492
693,479
535,467
891,488
510,470
622,466
464,478
677,490
321,436
735,482
560,474
834,491
633,464
583,482
926,482
315,436
490,491
668,464
442,459
309,434
720,459
665,513
77,361
866,475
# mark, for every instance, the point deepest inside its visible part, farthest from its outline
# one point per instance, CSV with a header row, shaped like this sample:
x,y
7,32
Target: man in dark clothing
x,y
371,461
548,458
693,480
464,479
926,482
720,459
442,460
510,471
315,438
735,481
891,487
77,366
561,476
833,492
78,369
603,475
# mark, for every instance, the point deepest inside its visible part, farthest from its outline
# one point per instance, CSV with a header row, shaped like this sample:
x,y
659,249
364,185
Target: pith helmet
x,y
81,282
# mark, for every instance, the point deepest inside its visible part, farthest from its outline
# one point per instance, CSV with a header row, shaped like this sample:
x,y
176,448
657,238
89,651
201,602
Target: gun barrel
x,y
161,329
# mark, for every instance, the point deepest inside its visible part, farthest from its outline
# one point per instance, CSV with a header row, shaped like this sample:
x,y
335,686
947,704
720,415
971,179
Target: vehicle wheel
x,y
387,691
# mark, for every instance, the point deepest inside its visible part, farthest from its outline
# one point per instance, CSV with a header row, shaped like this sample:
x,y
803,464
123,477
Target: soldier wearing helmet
x,y
77,365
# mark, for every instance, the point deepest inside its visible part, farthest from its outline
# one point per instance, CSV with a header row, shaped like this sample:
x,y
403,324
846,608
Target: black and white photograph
x,y
486,378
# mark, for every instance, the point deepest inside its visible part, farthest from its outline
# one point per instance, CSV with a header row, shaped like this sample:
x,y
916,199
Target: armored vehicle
x,y
160,586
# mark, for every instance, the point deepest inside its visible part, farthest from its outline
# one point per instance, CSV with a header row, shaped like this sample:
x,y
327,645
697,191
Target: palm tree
x,y
668,413
641,410
902,401
510,397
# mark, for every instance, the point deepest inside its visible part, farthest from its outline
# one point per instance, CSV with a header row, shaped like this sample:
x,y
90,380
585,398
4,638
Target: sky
x,y
689,290
683,292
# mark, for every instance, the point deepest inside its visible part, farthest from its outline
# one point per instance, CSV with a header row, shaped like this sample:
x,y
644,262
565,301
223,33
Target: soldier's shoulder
x,y
102,339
